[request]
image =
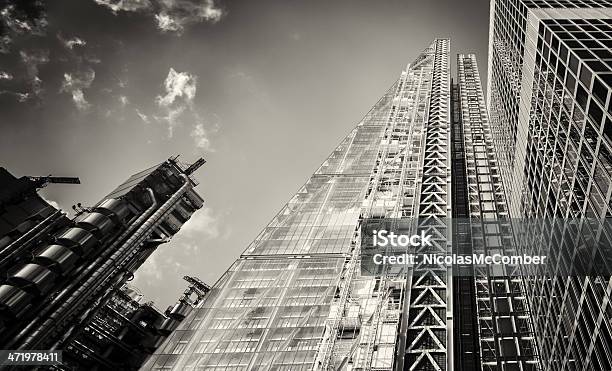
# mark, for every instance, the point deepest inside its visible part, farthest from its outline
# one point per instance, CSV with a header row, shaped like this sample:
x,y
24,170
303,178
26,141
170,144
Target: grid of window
x,y
571,121
506,338
273,307
506,51
568,173
296,299
266,312
567,167
320,218
567,3
368,318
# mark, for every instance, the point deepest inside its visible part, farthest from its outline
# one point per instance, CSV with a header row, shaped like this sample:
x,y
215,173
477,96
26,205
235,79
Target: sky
x,y
263,90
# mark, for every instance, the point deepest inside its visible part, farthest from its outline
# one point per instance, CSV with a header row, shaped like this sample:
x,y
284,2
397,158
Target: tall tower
x,y
71,270
550,76
493,325
296,298
299,297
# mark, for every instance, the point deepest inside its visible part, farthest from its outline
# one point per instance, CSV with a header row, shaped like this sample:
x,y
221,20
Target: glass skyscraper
x,y
432,152
491,306
296,299
549,78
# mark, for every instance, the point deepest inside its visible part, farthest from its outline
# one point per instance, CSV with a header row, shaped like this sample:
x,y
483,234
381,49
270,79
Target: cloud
x,y
123,100
203,224
20,18
23,17
200,137
79,99
17,20
166,23
180,90
22,97
32,60
178,85
170,15
172,118
175,108
150,270
5,44
125,5
72,42
142,116
175,15
75,83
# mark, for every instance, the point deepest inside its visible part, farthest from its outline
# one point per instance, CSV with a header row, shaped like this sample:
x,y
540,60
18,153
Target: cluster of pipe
x,y
60,258
92,276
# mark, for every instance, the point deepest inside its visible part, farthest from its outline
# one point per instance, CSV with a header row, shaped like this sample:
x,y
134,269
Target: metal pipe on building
x,y
120,257
82,275
13,248
100,272
60,288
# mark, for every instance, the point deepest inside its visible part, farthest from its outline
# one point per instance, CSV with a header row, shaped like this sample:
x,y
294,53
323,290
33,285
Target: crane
x,y
43,181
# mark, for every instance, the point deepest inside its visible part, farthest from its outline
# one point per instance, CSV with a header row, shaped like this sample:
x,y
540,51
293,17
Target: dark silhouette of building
x,y
57,273
26,219
127,330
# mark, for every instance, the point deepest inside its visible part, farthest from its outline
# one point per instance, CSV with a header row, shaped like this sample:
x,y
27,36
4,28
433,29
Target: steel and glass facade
x,y
550,74
429,150
497,296
296,300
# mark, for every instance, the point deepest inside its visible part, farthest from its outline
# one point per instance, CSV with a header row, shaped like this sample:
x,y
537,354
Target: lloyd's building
x,y
428,151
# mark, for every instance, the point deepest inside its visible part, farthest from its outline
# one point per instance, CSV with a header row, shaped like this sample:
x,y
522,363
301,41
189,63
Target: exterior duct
x,y
42,328
116,261
99,224
34,278
15,247
13,301
120,257
54,287
58,258
79,240
114,209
